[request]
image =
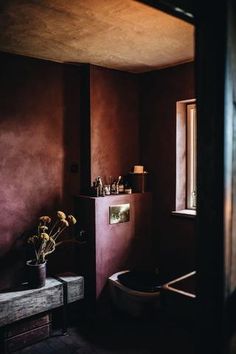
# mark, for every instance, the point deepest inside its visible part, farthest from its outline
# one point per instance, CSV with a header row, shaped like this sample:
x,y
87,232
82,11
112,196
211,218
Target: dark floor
x,y
119,334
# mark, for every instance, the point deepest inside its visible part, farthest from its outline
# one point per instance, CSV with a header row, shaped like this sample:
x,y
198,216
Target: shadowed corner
x,y
230,320
12,265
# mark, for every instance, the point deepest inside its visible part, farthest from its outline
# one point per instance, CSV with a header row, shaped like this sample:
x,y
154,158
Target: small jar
x,y
121,188
107,189
128,190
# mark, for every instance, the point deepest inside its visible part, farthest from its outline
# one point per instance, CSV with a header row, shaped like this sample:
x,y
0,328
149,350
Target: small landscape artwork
x,y
119,213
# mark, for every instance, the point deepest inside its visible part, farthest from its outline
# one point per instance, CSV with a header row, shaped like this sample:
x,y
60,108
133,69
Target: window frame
x,y
181,204
191,155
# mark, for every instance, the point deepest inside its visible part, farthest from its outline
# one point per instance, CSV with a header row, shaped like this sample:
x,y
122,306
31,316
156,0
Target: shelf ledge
x,y
188,213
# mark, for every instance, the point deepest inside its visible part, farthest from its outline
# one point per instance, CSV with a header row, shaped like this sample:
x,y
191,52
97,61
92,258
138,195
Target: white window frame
x,y
191,152
185,158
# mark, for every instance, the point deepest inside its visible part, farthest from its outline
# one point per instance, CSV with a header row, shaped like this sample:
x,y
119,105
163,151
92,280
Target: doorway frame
x,y
215,77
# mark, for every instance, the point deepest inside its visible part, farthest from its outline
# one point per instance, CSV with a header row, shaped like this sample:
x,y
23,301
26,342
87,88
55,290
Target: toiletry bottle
x,y
100,186
121,186
117,184
127,188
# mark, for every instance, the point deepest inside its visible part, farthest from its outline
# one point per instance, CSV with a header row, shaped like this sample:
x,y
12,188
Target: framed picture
x,y
119,213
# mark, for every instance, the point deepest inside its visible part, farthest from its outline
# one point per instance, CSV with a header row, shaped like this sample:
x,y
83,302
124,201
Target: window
x,y
191,192
186,157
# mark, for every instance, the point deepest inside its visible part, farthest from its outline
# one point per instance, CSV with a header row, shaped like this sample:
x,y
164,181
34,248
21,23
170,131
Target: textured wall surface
x,y
40,157
115,247
114,122
32,152
174,236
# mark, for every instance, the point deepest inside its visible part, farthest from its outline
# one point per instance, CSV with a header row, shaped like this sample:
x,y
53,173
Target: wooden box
x,y
25,332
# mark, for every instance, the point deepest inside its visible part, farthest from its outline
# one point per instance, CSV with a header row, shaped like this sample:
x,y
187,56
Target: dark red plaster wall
x,y
114,122
174,237
33,152
39,145
114,247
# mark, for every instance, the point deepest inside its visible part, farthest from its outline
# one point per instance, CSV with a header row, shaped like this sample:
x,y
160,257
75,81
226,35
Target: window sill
x,y
187,213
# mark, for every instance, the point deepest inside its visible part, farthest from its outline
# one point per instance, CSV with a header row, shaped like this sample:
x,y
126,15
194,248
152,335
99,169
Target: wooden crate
x,y
24,313
25,332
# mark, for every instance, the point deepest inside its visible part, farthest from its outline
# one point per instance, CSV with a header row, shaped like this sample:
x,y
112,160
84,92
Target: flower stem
x,y
56,223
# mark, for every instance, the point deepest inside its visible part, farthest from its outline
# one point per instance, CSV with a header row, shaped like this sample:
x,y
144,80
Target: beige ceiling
x,y
119,34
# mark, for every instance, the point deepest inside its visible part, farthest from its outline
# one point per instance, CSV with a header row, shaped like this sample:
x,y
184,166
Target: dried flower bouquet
x,y
44,242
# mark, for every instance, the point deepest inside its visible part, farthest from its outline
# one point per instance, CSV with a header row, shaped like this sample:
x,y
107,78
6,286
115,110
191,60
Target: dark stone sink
x,y
141,280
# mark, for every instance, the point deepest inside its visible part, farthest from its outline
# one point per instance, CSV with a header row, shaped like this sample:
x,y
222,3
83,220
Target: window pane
x,y
191,156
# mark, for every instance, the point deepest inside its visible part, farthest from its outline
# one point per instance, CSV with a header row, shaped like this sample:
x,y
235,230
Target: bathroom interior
x,y
75,108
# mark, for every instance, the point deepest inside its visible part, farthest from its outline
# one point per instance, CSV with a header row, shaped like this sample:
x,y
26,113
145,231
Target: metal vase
x,y
36,274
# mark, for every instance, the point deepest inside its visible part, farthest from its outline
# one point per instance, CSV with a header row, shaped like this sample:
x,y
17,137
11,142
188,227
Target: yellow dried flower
x,y
32,239
43,228
64,223
45,219
61,215
44,236
72,220
44,243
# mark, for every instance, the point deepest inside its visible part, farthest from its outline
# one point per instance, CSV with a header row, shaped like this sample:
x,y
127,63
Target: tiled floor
x,y
119,335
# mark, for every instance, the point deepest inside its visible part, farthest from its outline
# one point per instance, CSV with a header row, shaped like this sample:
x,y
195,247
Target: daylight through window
x,y
191,156
186,159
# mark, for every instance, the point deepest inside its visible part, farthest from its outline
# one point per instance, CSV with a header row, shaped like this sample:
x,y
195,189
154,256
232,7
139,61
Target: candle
x,y
138,169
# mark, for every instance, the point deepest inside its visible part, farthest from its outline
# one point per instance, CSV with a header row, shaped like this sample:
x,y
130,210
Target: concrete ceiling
x,y
119,34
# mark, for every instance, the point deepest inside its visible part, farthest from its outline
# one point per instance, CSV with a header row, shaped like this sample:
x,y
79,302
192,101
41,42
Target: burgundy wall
x,y
34,151
114,122
115,247
174,236
40,150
